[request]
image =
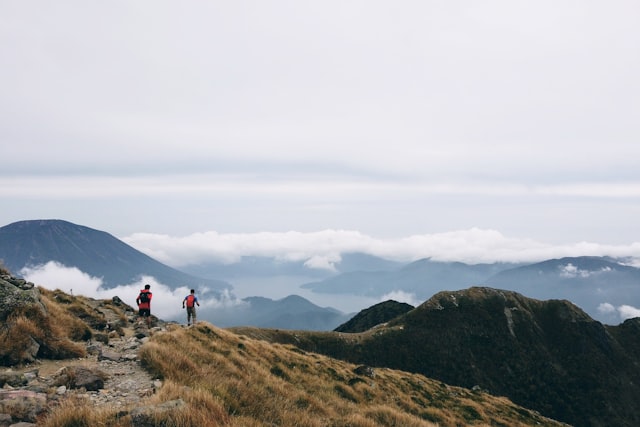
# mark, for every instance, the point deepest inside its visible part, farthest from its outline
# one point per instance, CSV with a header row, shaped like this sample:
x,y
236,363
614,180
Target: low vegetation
x,y
216,377
225,379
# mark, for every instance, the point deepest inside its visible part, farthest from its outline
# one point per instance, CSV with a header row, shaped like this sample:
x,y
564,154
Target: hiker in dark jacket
x,y
191,300
144,303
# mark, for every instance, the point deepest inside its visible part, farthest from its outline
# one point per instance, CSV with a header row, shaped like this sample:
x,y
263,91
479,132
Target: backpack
x,y
144,297
191,300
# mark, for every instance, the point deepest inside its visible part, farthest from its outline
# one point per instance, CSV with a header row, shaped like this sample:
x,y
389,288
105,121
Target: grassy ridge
x,y
223,378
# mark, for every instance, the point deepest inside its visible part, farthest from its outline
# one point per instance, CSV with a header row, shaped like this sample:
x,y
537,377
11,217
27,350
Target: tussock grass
x,y
217,377
26,327
245,381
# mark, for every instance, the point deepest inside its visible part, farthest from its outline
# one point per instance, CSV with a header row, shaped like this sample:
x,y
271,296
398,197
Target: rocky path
x,y
111,376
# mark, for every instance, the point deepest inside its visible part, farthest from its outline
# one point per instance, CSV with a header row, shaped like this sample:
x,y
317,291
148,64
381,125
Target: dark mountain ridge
x,y
546,355
36,242
375,315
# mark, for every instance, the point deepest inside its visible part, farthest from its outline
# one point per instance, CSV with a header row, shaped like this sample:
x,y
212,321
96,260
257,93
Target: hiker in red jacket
x,y
144,304
191,300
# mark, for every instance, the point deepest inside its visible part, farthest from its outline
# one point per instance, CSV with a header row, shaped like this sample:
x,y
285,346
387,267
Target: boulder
x,y
14,298
22,405
13,379
80,377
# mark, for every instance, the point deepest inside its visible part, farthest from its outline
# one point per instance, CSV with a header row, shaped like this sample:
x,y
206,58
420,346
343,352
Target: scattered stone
x,y
111,376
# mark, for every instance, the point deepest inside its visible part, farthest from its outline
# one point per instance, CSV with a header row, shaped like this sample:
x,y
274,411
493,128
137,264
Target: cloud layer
x,y
323,249
393,119
166,302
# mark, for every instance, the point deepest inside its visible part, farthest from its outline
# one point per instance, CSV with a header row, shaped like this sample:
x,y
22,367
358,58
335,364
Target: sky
x,y
460,130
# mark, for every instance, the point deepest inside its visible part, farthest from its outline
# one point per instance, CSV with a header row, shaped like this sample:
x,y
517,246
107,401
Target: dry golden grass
x,y
228,379
244,382
29,324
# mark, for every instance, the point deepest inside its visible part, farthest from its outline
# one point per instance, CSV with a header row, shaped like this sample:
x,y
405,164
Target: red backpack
x,y
190,300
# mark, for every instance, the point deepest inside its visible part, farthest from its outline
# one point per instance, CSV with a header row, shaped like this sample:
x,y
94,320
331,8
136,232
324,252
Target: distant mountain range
x,y
545,355
97,253
586,281
292,312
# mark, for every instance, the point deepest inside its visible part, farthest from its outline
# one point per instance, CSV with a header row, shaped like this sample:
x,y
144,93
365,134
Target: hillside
x,y
203,376
545,355
373,316
97,253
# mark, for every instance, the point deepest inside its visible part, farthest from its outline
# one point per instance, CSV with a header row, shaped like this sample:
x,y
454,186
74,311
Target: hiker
x,y
144,304
191,300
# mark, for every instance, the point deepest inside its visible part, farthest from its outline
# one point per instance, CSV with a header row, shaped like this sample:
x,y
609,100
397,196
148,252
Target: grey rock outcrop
x,y
17,295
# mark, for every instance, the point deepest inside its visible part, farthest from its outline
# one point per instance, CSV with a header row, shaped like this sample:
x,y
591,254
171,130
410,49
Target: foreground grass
x,y
225,379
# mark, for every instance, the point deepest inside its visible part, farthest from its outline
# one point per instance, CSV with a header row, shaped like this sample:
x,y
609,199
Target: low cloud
x,y
620,313
323,249
166,303
402,296
571,271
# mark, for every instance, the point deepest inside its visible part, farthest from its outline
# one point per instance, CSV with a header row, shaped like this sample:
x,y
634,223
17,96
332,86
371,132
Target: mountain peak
x,y
36,242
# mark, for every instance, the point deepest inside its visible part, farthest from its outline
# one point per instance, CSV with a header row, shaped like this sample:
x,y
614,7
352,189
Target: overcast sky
x,y
504,129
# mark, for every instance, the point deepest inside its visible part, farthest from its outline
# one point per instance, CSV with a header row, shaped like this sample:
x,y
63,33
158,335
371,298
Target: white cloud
x,y
166,303
571,271
323,249
324,115
606,308
402,296
628,312
620,313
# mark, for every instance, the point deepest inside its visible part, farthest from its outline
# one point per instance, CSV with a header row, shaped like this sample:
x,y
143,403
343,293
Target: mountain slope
x,y
97,253
212,377
546,355
374,316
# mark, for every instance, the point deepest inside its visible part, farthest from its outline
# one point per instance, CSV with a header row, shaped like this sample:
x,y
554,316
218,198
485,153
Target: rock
x,y
109,355
87,379
13,297
14,379
31,375
61,390
100,337
22,405
76,377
